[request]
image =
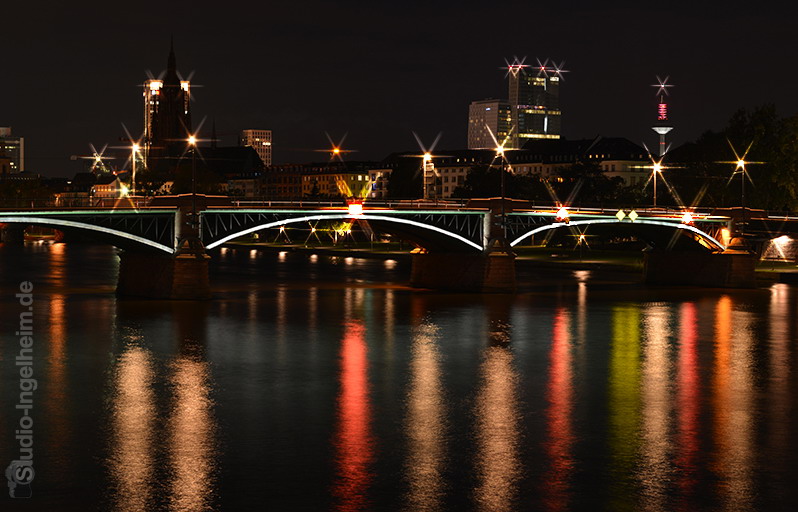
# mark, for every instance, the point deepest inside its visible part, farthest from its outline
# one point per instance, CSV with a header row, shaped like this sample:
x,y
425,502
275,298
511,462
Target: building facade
x,y
488,119
260,141
13,149
535,102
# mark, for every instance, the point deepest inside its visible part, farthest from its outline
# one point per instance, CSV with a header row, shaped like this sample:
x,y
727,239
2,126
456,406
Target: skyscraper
x,y
167,114
261,142
486,117
535,100
13,148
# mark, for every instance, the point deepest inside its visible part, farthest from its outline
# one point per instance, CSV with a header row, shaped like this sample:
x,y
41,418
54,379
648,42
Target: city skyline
x,y
371,73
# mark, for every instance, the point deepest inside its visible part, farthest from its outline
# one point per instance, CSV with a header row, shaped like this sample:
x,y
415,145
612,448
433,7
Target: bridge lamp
x,y
562,215
687,218
355,209
124,191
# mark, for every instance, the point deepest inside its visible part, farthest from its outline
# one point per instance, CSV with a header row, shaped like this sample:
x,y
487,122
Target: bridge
x,y
164,249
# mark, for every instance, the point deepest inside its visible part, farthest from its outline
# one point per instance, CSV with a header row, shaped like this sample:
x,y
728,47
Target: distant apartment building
x,y
12,149
349,180
261,142
615,156
488,119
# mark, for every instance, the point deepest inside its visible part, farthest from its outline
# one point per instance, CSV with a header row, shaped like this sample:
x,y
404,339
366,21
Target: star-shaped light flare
x,y
662,86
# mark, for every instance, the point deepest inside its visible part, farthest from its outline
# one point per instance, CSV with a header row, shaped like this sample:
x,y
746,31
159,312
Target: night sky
x,y
378,71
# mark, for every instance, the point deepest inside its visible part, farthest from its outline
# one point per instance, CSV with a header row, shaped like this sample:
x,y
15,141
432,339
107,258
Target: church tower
x,y
167,116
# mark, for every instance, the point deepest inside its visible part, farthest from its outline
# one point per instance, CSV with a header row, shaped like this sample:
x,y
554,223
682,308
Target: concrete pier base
x,y
163,277
494,272
729,269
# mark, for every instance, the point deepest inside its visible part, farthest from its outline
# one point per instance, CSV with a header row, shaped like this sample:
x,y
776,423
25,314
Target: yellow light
x,y
124,191
740,163
192,140
427,157
336,151
725,236
620,215
782,240
562,213
499,150
657,167
136,148
355,209
633,215
687,218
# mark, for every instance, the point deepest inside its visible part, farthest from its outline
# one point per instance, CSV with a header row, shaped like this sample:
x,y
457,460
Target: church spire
x,y
171,66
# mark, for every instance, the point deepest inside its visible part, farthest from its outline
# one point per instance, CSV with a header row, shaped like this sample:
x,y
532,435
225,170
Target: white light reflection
x,y
426,426
133,418
498,432
656,393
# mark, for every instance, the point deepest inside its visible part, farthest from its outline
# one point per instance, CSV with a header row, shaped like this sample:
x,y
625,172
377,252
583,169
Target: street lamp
x,y
192,141
740,163
134,149
501,157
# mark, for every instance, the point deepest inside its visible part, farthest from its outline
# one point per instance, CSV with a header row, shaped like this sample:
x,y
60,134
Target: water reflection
x,y
353,440
497,423
426,426
655,438
133,414
56,398
688,406
733,401
192,441
624,404
560,435
779,368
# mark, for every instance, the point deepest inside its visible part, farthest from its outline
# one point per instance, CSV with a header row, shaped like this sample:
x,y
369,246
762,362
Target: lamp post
x,y
500,156
133,150
192,141
656,169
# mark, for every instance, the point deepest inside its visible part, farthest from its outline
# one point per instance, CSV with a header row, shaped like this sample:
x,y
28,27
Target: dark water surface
x,y
325,384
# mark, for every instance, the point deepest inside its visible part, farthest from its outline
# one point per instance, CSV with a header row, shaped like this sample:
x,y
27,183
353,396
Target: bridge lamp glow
x,y
123,191
687,218
192,140
562,214
427,157
355,209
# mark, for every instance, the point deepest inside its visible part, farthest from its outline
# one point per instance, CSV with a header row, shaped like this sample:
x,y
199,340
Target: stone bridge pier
x,y
12,234
183,275
492,270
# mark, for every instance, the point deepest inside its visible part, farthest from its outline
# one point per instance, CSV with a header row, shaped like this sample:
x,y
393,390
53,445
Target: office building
x,y
13,148
486,117
535,101
261,142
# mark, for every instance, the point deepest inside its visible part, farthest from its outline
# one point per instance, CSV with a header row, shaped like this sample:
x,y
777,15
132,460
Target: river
x,y
314,382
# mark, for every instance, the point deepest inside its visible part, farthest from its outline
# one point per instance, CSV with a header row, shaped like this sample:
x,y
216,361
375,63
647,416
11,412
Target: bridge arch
x,y
113,236
426,235
710,242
